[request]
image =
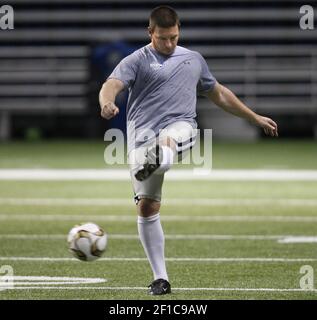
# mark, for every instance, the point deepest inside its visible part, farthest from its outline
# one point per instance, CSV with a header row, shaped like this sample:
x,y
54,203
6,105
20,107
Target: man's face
x,y
164,40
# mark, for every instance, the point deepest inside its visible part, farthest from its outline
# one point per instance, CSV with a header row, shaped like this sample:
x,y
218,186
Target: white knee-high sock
x,y
152,238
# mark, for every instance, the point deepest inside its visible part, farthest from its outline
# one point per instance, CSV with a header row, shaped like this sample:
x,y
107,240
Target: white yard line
x,y
182,259
176,201
49,281
173,175
279,238
174,289
298,239
132,218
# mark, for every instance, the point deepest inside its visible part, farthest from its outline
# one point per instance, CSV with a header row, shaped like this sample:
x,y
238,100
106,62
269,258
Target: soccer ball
x,y
87,241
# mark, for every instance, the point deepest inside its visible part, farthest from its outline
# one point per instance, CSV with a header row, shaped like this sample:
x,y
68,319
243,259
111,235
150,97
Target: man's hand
x,y
268,125
109,110
107,96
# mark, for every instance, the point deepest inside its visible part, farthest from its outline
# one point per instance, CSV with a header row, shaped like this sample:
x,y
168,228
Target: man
x,y
163,81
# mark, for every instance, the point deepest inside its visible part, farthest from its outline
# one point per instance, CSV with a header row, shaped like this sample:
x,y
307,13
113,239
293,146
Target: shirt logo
x,y
156,66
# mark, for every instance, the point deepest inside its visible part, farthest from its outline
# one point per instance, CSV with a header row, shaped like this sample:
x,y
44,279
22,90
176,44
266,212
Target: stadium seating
x,y
255,48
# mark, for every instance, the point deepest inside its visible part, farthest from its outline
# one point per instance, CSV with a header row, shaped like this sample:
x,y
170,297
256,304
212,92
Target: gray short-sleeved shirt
x,y
162,89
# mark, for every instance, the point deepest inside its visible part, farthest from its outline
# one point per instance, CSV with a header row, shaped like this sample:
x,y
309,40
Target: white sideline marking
x,y
48,281
184,259
175,289
173,175
298,239
166,217
279,238
177,202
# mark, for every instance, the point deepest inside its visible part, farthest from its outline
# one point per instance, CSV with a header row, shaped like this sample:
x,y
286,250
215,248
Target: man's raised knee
x,y
148,207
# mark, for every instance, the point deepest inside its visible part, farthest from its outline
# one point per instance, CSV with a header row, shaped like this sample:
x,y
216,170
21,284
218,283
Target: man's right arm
x,y
107,97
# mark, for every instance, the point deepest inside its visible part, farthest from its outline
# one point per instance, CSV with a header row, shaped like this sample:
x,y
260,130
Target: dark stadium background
x,y
53,63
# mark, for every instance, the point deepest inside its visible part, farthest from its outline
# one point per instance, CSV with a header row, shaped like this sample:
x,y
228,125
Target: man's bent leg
x,y
159,159
168,147
173,142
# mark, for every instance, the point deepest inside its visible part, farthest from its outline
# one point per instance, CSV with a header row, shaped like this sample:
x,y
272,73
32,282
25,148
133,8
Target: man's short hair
x,y
163,17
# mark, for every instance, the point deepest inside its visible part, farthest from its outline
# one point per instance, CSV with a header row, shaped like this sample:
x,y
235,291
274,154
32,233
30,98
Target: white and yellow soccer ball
x,y
87,241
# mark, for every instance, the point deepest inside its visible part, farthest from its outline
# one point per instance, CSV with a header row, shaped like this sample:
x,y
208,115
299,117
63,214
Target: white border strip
x,y
174,175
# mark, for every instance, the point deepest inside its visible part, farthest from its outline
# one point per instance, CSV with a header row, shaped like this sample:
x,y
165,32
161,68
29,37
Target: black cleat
x,y
159,287
153,159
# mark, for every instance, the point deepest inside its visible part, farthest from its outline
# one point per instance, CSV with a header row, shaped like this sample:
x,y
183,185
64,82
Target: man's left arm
x,y
227,100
